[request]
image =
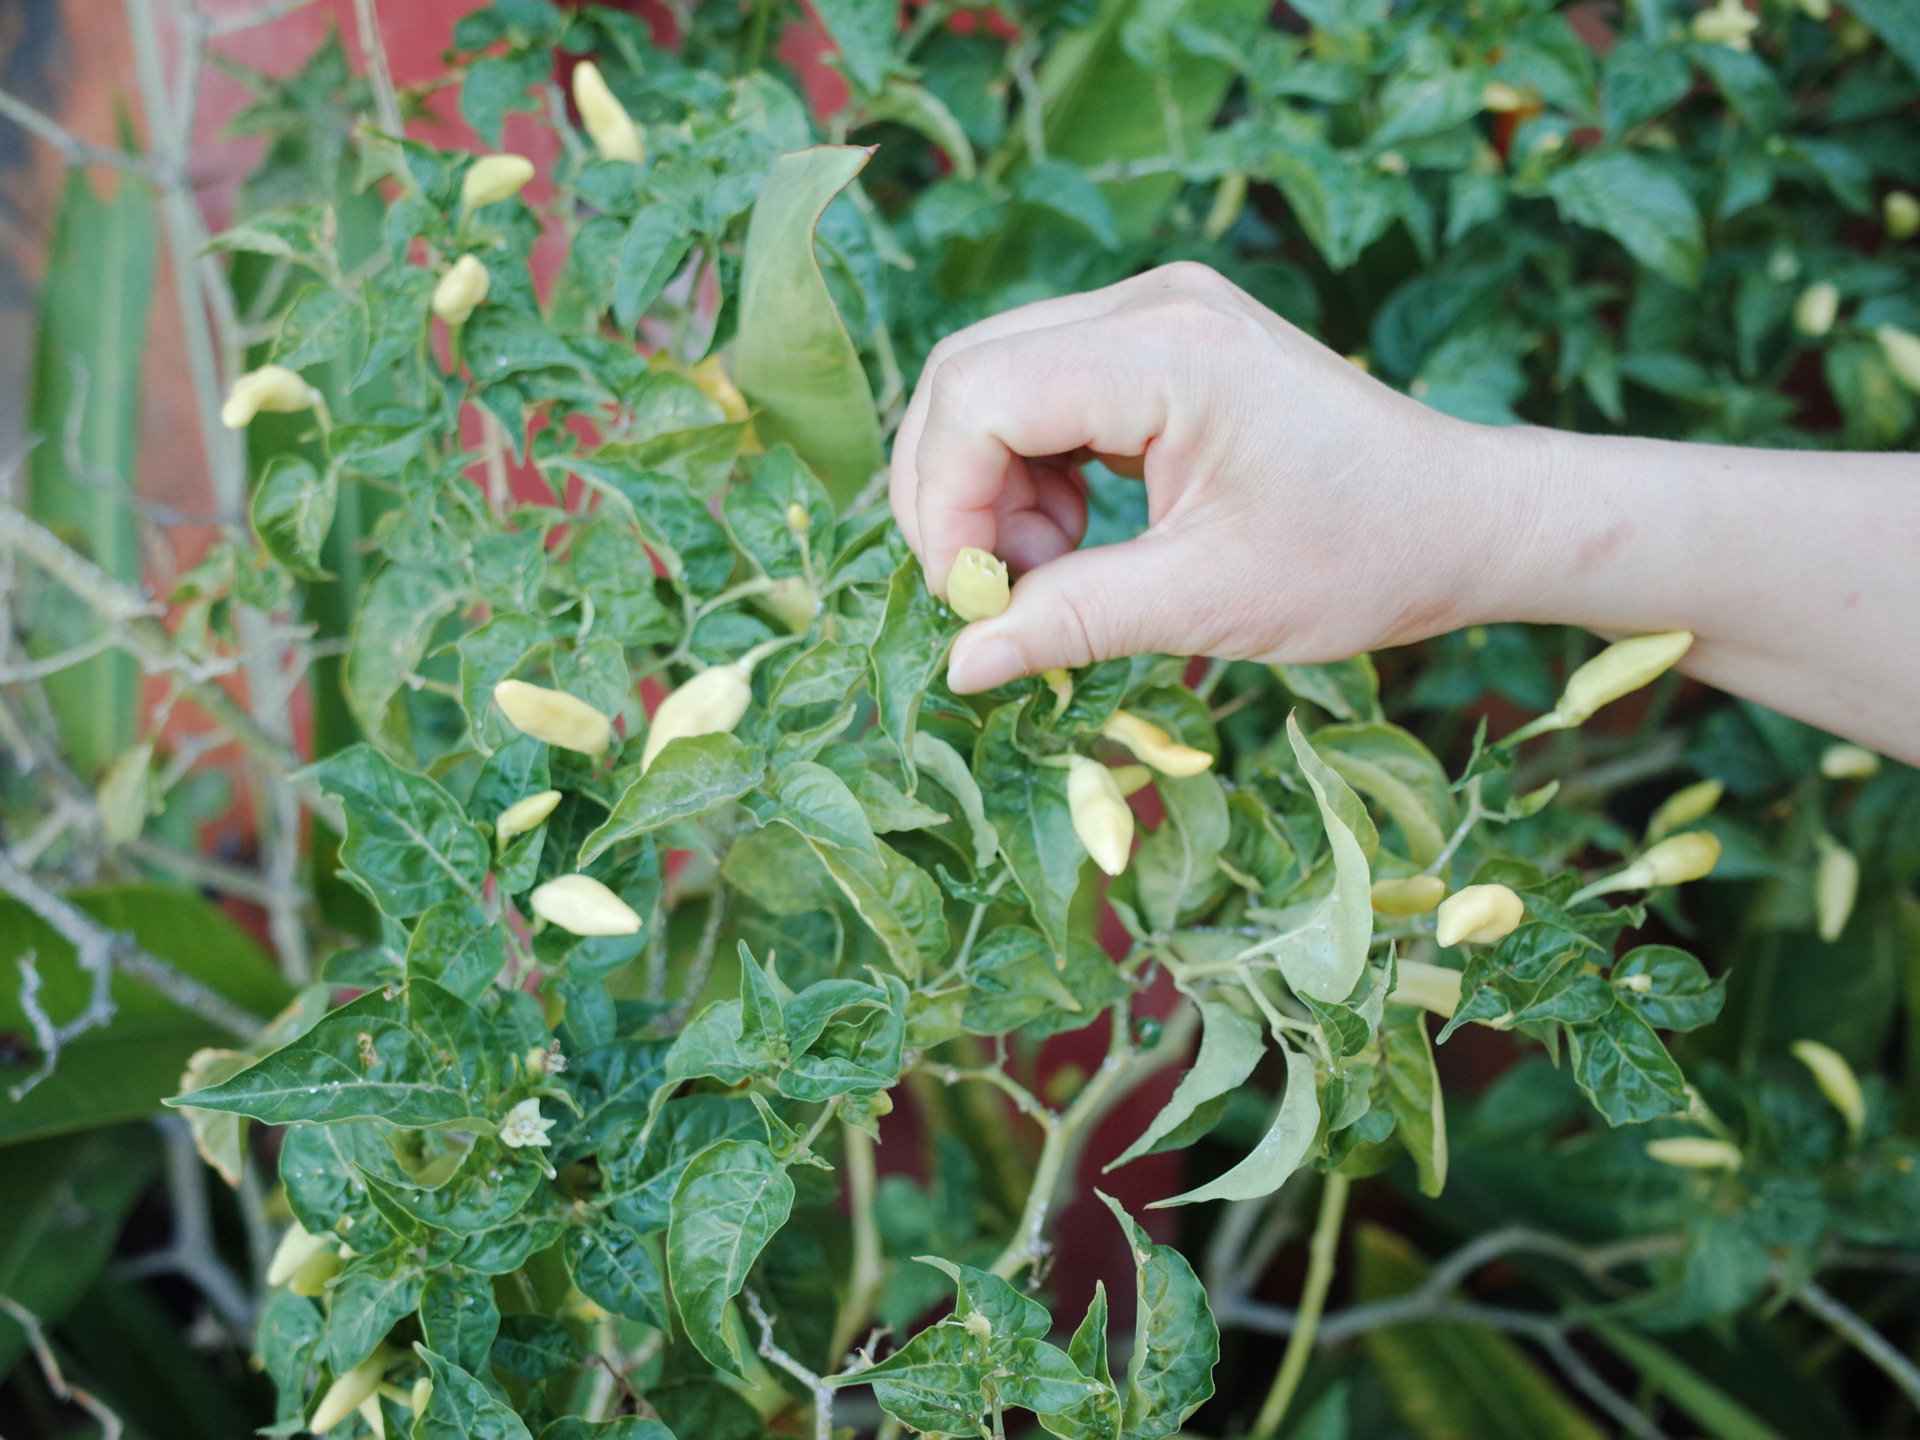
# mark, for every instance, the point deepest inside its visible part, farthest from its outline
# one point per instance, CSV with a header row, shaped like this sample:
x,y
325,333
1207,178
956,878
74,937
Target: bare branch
x,y
386,104
72,148
192,1253
822,1391
99,951
215,26
110,1426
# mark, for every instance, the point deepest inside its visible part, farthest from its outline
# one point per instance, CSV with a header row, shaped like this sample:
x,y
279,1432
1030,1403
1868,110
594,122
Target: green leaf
x,y
864,31
1413,106
1230,1046
688,778
292,512
626,1427
459,1317
1347,689
407,840
398,613
900,902
1177,871
89,346
908,651
1012,979
1175,1342
1281,1150
1398,772
729,1203
615,1269
322,325
1895,23
425,1063
1717,1413
1641,205
372,1295
1455,1381
757,511
818,804
941,761
795,360
65,1198
1624,1069
1325,956
1413,1094
460,1407
535,1347
1027,804
654,247
934,1381
125,1069
1679,994
489,1186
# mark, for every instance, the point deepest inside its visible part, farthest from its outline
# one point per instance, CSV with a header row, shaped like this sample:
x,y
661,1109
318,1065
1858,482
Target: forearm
x,y
1799,572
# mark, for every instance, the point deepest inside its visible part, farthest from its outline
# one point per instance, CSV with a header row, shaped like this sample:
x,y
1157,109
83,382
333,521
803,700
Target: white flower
x,y
524,1126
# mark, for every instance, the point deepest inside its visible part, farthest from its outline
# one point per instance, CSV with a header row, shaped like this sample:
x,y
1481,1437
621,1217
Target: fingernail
x,y
983,664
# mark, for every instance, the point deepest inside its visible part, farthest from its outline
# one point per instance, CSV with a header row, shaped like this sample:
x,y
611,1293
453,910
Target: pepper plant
x,y
656,877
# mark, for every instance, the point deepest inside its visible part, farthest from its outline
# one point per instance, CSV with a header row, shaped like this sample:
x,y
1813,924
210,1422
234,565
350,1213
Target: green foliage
x,y
530,1146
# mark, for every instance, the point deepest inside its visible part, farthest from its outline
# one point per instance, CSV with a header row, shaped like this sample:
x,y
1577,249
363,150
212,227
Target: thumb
x,y
1088,605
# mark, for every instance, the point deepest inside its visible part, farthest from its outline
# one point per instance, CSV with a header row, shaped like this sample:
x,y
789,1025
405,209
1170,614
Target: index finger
x,y
1042,392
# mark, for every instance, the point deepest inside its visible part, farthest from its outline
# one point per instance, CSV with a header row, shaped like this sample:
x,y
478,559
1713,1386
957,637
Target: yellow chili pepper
x,y
554,716
1480,914
977,587
463,287
1153,745
493,178
581,905
1101,816
270,389
603,117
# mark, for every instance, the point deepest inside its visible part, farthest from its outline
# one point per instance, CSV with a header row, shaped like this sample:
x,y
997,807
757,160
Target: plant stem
x,y
386,103
1321,1253
1863,1337
869,1271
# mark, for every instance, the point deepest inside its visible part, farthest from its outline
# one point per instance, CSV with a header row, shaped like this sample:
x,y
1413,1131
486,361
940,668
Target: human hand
x,y
1298,510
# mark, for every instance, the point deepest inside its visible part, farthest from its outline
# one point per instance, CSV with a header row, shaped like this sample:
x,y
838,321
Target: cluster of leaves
x,y
567,489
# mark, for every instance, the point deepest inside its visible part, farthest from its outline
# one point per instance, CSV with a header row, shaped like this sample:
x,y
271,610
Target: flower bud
x,y
270,389
1836,881
493,178
524,815
978,1324
1696,1152
792,602
614,134
1502,98
1685,807
295,1249
977,585
1412,895
1902,351
554,716
344,1396
464,286
1849,762
1728,23
798,520
421,1394
524,1125
1618,670
1431,987
711,703
581,905
1101,817
1836,1081
1150,743
1900,212
1481,914
1814,311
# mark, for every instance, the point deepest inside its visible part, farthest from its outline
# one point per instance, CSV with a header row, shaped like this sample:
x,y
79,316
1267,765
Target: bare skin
x,y
1301,511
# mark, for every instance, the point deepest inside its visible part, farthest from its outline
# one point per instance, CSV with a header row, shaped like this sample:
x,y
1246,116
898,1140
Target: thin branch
x,y
99,952
191,1253
72,148
1863,1337
386,104
215,26
702,964
110,1426
37,670
822,1391
1322,1251
231,880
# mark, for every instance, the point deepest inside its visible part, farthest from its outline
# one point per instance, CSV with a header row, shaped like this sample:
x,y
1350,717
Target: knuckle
x,y
1189,275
